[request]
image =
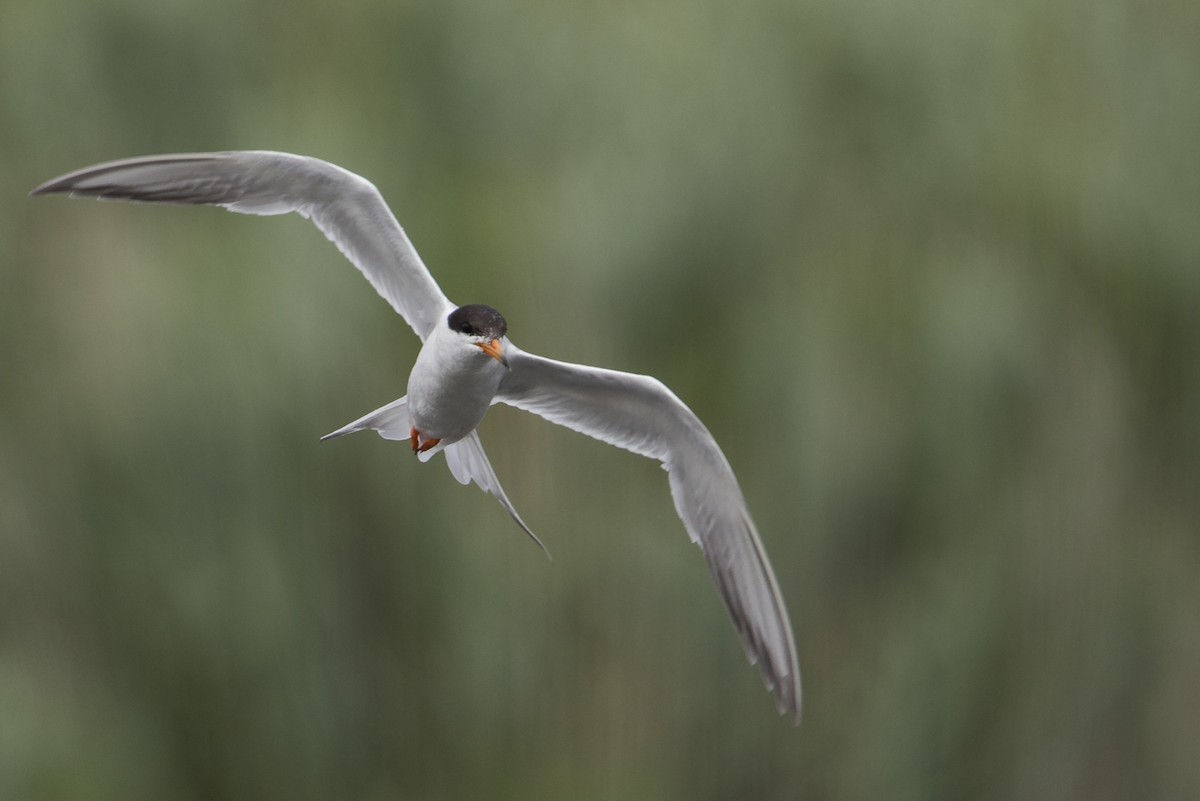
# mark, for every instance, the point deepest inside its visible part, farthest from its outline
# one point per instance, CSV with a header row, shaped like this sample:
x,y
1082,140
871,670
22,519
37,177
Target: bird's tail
x,y
465,458
391,422
468,463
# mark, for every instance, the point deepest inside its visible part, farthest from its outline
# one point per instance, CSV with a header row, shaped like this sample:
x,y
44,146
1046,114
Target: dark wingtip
x,y
794,702
69,183
48,188
790,698
797,713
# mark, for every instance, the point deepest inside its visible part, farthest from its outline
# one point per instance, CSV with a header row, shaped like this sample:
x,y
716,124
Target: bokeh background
x,y
928,270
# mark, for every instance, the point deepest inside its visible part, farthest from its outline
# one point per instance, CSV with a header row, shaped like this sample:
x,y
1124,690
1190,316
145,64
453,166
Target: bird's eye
x,y
464,327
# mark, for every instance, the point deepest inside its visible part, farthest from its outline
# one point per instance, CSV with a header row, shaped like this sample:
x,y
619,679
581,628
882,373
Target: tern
x,y
467,363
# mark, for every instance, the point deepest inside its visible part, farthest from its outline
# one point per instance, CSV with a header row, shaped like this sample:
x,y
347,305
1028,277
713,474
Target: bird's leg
x,y
420,444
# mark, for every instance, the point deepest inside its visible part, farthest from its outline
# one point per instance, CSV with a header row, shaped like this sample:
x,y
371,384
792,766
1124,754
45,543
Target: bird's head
x,y
481,326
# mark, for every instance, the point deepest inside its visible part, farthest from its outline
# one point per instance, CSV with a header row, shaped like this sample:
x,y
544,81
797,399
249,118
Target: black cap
x,y
477,320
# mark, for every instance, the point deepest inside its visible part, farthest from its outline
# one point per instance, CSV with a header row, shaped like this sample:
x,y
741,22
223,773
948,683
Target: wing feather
x,y
346,207
638,413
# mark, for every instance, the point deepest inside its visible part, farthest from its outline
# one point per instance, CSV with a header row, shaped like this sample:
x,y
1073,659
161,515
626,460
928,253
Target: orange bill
x,y
495,349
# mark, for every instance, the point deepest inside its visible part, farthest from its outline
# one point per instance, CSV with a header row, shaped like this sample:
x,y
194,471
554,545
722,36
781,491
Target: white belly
x,y
450,389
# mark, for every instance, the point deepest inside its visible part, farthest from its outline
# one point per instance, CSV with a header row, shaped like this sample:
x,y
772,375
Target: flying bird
x,y
467,363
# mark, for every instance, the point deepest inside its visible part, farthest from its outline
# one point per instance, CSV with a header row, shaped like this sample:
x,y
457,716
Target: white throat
x,y
451,385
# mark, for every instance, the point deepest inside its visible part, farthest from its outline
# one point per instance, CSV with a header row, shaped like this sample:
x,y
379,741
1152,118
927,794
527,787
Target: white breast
x,y
451,386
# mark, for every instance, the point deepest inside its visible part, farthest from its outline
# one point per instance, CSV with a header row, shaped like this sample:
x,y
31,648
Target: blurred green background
x,y
929,271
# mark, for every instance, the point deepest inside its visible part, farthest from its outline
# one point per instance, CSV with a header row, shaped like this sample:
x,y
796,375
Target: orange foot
x,y
420,444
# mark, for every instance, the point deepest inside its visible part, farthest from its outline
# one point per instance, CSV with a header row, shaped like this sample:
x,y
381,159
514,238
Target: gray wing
x,y
638,413
346,207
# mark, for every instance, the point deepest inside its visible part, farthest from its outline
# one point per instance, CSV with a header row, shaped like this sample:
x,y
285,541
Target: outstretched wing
x,y
638,413
346,207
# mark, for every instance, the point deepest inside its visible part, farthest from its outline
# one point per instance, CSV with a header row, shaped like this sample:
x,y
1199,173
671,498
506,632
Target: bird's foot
x,y
420,443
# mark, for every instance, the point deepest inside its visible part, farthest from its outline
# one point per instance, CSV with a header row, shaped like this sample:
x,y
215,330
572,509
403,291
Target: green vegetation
x,y
929,271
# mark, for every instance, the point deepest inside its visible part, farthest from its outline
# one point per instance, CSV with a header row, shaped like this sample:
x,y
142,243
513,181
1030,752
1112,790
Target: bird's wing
x,y
638,413
346,207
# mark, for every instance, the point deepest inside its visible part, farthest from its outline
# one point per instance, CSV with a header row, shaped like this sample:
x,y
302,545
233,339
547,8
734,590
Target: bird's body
x,y
451,386
467,363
